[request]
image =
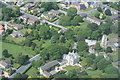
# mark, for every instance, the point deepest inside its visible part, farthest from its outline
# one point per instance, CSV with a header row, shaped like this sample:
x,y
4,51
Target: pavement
x,y
25,66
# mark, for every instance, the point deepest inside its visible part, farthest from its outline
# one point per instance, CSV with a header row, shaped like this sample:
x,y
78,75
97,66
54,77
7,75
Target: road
x,y
25,66
32,16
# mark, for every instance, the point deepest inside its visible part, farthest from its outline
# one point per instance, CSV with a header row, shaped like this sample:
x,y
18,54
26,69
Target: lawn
x,y
16,66
17,39
68,68
46,44
113,35
16,49
32,72
87,9
93,14
83,25
94,74
25,30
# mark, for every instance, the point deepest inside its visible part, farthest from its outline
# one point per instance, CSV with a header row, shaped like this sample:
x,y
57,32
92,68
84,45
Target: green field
x,y
68,68
87,9
17,39
25,30
32,72
16,50
94,74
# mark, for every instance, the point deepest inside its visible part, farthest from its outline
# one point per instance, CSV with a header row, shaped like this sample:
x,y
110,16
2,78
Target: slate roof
x,y
49,65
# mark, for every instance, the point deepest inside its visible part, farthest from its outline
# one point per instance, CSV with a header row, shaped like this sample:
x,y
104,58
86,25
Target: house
x,y
20,2
27,6
104,41
24,18
78,5
31,21
49,68
70,59
88,4
18,26
17,34
114,17
94,20
113,11
5,63
54,12
2,31
91,44
48,16
113,43
28,19
36,10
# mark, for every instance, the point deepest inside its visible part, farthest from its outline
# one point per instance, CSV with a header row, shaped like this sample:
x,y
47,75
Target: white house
x,y
71,58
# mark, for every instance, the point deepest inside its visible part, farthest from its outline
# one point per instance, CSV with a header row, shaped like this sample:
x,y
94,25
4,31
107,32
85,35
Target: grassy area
x,y
113,36
46,44
25,30
94,74
83,25
17,39
68,68
16,50
87,9
15,65
32,72
93,14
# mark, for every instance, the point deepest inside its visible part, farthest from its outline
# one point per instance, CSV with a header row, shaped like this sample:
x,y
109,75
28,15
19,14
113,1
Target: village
x,y
58,40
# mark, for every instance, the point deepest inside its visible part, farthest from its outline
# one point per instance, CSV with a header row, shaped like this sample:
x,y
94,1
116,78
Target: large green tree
x,y
54,52
49,5
82,46
65,21
93,26
72,12
108,12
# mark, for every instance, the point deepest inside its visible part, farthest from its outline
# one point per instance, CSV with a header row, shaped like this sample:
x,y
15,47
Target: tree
x,y
102,64
72,12
108,50
111,70
49,5
21,59
97,47
97,15
108,12
38,63
99,9
69,44
5,53
69,34
105,28
82,46
53,52
33,46
77,19
65,21
62,39
83,34
45,32
92,26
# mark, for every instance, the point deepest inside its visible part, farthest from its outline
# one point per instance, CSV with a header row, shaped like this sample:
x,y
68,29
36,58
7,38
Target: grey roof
x,y
2,62
15,33
93,18
49,65
18,26
53,12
